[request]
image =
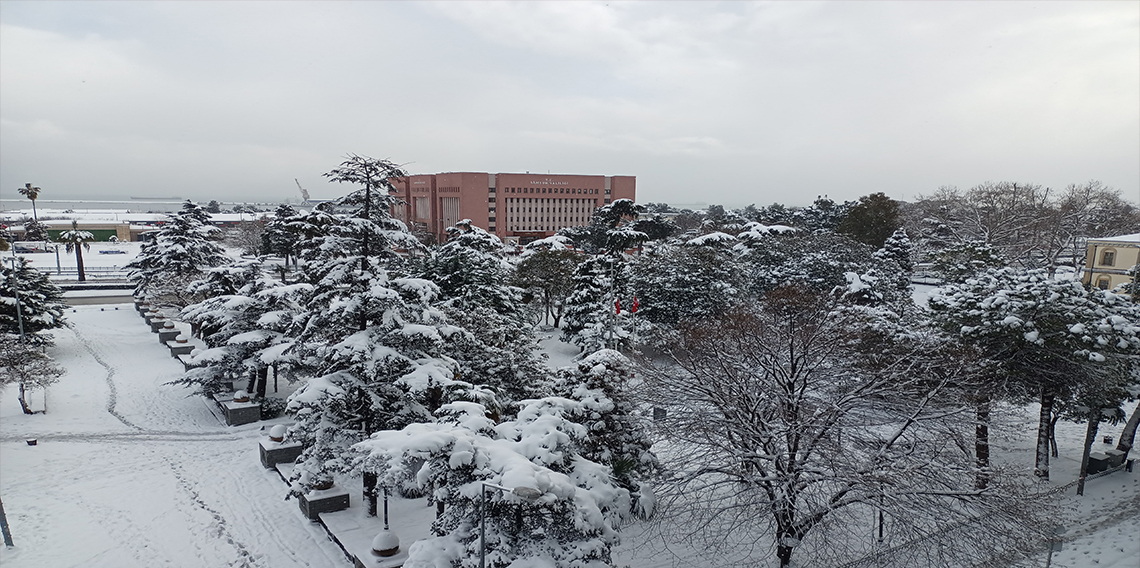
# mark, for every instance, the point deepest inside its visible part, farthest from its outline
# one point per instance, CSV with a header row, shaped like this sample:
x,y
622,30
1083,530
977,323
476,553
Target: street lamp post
x,y
528,493
16,290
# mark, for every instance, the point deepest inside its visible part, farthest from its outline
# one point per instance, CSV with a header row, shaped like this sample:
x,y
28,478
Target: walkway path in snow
x,y
130,471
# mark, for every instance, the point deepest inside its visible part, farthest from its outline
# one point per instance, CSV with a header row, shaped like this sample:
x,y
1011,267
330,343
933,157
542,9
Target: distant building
x,y
1108,260
517,208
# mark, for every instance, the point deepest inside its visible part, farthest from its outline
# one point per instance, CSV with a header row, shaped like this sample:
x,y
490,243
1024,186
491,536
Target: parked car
x,y
31,246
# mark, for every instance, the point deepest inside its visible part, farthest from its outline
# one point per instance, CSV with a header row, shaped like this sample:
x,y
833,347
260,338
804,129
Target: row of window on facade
x,y
563,190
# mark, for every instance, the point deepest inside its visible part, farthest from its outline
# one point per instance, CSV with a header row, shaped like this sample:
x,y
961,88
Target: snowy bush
x,y
570,525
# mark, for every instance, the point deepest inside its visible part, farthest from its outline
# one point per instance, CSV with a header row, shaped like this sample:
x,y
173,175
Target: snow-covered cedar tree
x,y
6,238
475,294
592,318
570,519
174,256
718,220
610,230
600,383
823,214
656,227
820,262
872,220
684,283
41,303
373,343
897,247
36,230
278,238
25,364
1047,335
784,441
550,272
958,262
77,241
243,322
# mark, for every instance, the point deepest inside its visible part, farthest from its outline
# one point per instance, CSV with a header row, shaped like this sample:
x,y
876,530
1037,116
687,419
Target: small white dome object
x,y
241,396
277,433
386,543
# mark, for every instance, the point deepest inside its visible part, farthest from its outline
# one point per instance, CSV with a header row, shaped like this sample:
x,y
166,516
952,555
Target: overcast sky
x,y
730,103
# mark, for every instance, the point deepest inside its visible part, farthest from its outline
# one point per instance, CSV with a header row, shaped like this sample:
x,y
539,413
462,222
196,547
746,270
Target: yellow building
x,y
1108,260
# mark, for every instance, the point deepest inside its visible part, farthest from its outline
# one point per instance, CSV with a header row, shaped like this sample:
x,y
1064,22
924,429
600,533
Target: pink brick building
x,y
515,207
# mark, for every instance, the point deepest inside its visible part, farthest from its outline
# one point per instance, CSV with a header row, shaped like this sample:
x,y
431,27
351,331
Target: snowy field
x,y
128,471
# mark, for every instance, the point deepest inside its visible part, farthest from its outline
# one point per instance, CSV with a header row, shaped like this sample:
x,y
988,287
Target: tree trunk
x,y
262,379
370,492
252,386
1053,435
1129,434
982,443
24,401
79,263
1090,436
784,553
1041,465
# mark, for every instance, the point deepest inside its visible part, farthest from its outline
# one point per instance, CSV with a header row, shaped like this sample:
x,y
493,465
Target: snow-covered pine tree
x,y
176,255
475,293
278,238
561,511
818,262
823,214
373,342
1046,335
616,437
243,323
684,283
40,304
961,261
897,247
594,318
591,319
35,230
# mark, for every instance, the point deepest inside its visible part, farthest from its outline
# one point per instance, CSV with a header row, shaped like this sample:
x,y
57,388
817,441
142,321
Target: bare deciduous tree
x,y
782,429
25,364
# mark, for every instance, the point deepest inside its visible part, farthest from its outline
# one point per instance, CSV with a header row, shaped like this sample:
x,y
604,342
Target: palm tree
x,y
73,239
31,193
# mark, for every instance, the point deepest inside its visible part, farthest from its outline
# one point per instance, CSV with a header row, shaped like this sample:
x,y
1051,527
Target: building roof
x,y
1134,238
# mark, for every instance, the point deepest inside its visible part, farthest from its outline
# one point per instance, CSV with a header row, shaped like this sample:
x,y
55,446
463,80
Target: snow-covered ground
x,y
129,471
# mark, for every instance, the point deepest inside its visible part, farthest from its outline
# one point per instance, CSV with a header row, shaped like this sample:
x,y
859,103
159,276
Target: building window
x,y
1108,258
1102,283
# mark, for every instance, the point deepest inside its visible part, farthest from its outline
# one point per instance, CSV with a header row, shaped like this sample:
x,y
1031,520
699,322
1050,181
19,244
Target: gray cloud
x,y
726,103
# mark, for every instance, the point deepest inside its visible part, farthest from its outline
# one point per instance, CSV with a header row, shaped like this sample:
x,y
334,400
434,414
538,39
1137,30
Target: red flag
x,y
635,304
617,304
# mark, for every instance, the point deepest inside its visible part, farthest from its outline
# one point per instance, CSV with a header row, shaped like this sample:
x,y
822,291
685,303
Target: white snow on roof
x,y
1133,238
